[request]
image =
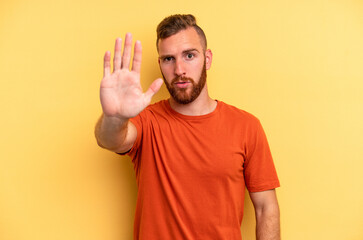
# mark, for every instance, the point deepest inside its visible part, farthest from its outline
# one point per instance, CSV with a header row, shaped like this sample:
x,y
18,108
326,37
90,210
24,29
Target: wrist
x,y
114,118
113,122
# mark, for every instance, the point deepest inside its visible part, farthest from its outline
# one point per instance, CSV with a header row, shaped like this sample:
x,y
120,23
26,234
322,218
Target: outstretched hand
x,y
121,93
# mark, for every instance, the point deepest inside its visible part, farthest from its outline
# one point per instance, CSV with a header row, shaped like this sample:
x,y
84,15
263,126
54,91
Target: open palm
x,y
121,93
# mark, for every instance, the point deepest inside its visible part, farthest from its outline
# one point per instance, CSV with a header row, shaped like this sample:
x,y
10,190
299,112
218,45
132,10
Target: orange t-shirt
x,y
191,172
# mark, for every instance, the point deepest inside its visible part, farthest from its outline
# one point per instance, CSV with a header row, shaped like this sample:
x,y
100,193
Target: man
x,y
193,156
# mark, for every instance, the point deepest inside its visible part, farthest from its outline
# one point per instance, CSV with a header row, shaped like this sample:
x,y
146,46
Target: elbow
x,y
268,211
99,143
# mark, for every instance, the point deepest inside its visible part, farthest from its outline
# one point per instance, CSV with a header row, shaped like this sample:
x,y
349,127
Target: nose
x,y
179,68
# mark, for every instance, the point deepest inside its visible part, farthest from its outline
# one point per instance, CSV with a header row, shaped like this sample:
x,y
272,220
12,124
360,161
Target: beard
x,y
184,95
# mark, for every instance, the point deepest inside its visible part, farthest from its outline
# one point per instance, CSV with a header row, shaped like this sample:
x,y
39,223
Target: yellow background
x,y
297,65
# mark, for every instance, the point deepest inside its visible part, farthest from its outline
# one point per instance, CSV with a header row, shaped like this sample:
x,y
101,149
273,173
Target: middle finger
x,y
126,56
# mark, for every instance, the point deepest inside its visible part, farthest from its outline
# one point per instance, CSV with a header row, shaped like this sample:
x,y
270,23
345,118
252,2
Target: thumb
x,y
154,88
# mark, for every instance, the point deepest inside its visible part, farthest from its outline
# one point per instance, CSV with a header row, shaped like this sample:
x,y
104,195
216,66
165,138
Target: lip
x,y
182,84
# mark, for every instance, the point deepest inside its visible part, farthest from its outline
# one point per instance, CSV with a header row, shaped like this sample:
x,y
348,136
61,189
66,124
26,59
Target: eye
x,y
167,59
190,56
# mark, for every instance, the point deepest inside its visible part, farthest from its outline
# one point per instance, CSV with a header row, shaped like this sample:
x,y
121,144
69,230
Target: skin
x,y
267,215
182,55
122,98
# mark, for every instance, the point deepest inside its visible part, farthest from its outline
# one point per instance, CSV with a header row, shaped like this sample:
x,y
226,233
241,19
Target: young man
x,y
193,156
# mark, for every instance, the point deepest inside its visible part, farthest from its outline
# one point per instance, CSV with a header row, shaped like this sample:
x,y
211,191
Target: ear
x,y
208,58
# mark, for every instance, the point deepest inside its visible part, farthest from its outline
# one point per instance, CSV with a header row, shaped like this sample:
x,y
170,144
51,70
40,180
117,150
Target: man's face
x,y
183,63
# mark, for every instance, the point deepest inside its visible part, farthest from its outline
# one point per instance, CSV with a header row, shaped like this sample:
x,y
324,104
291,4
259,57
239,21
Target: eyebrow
x,y
185,51
190,50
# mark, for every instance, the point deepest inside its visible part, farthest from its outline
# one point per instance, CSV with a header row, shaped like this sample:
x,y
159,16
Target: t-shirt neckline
x,y
189,117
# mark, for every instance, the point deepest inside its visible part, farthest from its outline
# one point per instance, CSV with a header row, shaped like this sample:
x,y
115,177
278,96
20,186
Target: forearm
x,y
268,223
121,95
111,132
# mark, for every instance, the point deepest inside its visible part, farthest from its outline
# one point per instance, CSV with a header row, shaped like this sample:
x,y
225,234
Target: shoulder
x,y
153,112
155,108
237,114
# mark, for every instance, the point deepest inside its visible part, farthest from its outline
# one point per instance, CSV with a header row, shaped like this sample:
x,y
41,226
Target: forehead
x,y
184,39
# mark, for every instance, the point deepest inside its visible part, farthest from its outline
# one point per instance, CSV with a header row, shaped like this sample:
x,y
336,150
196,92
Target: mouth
x,y
182,84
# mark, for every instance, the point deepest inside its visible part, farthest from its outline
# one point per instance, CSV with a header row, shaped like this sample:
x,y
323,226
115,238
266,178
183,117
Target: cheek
x,y
196,69
166,70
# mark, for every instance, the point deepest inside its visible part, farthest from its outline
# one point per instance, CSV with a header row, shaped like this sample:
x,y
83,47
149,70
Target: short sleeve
x,y
259,169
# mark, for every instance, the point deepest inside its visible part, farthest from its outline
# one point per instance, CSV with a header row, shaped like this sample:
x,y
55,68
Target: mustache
x,y
182,79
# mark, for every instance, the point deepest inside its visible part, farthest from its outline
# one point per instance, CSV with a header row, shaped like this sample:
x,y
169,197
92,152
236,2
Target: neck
x,y
202,105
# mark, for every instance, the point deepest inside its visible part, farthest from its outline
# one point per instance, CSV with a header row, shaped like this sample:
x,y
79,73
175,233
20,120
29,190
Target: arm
x,y
122,97
115,134
267,215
